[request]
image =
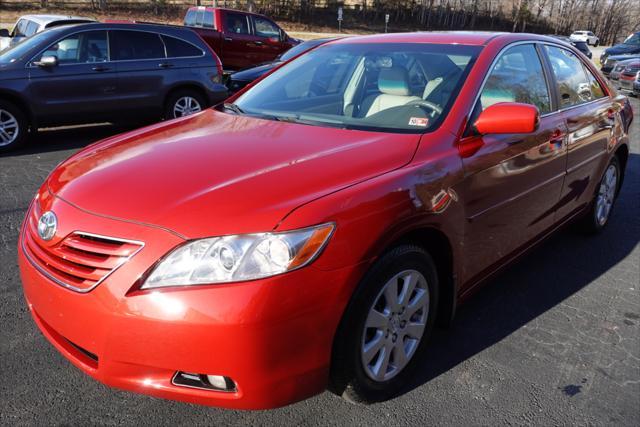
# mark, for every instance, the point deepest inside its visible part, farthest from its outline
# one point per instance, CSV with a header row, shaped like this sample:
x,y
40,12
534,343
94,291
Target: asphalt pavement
x,y
554,340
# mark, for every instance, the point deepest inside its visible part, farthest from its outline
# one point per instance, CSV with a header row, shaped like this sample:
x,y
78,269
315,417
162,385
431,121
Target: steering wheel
x,y
435,108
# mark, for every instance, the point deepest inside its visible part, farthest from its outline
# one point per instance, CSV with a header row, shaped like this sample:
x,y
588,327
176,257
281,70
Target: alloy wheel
x,y
395,325
9,129
606,194
185,106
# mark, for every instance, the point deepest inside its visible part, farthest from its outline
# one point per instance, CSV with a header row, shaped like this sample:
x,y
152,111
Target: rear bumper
x,y
272,337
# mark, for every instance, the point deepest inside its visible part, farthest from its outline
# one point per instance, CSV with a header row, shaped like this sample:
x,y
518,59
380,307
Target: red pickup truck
x,y
239,38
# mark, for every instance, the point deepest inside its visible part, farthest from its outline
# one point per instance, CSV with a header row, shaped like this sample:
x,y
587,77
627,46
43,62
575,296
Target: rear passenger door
x,y
587,110
82,87
142,67
513,182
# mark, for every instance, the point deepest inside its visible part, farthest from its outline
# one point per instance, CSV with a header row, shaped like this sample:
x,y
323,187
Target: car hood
x,y
251,74
216,173
622,48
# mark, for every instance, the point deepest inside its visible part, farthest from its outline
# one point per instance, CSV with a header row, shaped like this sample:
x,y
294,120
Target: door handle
x,y
258,43
228,39
100,68
165,65
557,138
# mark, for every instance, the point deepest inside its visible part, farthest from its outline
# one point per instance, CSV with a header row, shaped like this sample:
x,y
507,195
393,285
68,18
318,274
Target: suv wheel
x,y
386,327
184,103
13,126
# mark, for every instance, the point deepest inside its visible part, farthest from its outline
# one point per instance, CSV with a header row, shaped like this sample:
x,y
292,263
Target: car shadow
x,y
68,138
541,280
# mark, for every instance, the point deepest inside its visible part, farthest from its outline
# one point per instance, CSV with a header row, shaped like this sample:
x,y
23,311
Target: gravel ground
x,y
552,341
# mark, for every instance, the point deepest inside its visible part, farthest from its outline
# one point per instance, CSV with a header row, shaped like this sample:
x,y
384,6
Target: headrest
x,y
394,81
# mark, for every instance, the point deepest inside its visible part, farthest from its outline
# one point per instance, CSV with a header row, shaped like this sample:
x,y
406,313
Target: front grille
x,y
81,261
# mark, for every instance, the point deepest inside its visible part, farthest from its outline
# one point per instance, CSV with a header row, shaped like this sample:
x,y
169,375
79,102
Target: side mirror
x,y
508,117
47,62
4,32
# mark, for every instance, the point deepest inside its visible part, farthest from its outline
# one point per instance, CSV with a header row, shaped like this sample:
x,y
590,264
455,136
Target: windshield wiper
x,y
233,107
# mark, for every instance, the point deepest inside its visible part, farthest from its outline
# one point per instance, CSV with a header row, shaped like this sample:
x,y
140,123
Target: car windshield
x,y
633,39
19,50
380,87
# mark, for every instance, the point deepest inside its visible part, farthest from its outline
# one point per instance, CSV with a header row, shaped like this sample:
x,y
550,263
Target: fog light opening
x,y
204,381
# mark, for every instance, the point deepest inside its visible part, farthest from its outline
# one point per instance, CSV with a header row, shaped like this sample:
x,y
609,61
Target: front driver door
x,y
513,182
82,87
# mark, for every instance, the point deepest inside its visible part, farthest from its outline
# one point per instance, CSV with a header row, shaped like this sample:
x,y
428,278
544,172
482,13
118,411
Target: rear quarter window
x,y
177,48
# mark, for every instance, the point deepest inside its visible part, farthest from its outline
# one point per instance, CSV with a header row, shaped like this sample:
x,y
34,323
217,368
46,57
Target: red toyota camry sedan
x,y
309,233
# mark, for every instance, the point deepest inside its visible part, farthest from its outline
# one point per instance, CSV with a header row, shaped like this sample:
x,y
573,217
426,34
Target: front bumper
x,y
272,337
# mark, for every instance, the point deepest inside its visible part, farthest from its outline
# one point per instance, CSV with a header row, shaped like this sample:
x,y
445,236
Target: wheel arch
x,y
186,86
19,102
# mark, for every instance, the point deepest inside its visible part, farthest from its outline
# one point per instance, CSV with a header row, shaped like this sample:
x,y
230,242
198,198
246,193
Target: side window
x,y
208,19
127,45
190,18
20,29
574,87
517,77
596,89
177,48
265,28
80,48
32,28
199,18
236,23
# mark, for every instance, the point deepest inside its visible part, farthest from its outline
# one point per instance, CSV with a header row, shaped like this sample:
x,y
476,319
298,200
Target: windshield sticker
x,y
419,121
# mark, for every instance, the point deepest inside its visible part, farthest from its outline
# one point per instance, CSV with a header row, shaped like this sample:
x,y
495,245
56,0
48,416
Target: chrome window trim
x,y
82,233
29,63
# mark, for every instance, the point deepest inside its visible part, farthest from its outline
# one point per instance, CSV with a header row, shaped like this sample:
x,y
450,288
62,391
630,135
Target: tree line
x,y
610,20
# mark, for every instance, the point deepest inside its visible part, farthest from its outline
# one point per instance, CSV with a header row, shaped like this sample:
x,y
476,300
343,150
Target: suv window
x,y
20,28
574,86
190,18
236,23
80,48
177,48
32,28
126,45
199,18
517,77
265,28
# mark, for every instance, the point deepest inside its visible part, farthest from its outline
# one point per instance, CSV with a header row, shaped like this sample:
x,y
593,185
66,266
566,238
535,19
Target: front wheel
x,y
13,126
183,103
605,197
385,330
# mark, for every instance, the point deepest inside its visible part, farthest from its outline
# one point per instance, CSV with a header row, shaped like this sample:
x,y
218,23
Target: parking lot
x,y
553,340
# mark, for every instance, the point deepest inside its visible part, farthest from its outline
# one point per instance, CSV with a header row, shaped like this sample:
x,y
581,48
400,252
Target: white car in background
x,y
585,36
28,25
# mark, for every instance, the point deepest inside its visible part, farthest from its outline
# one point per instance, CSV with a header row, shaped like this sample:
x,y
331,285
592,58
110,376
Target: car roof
x,y
46,19
473,38
226,9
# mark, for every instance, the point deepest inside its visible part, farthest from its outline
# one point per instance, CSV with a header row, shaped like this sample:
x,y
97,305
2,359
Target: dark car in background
x,y
239,80
582,46
630,46
241,39
610,63
92,73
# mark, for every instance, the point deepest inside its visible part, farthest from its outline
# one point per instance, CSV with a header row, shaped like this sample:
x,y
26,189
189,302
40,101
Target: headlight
x,y
239,258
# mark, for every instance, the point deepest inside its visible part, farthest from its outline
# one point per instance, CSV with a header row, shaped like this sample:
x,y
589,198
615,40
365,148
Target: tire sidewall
x,y
593,219
397,260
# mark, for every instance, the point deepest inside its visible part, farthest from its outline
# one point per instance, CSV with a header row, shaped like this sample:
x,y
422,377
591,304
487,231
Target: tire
x,y
353,370
178,97
14,126
604,199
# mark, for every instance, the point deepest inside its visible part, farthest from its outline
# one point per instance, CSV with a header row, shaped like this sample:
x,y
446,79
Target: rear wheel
x,y
184,103
386,327
604,199
13,126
